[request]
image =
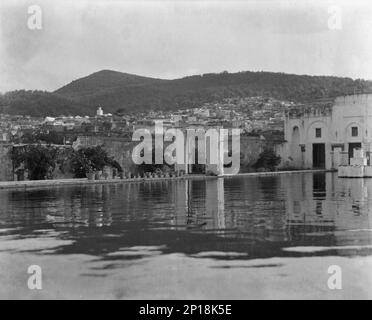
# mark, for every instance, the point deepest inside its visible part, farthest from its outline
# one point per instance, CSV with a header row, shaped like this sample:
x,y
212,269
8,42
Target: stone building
x,y
326,136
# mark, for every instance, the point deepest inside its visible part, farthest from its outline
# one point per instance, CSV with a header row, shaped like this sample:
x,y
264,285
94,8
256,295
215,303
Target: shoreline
x,y
29,184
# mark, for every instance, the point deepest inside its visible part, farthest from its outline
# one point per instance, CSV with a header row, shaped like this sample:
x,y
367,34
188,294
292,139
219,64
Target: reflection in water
x,y
257,217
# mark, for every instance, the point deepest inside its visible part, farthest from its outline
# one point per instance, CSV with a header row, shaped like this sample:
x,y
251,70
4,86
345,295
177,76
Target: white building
x,y
325,137
99,112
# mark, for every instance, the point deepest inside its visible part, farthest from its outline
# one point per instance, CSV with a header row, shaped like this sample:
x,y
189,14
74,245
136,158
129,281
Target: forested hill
x,y
126,93
40,104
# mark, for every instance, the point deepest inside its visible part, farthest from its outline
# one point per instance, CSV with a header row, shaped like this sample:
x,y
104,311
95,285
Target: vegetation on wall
x,y
267,160
39,160
91,159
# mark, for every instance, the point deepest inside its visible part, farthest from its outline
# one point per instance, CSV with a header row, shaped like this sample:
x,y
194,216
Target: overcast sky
x,y
170,39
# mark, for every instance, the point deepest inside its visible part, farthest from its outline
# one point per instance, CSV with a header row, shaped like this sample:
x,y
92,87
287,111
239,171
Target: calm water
x,y
239,237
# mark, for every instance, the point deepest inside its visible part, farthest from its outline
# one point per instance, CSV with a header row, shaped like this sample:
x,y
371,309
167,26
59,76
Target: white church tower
x,y
99,112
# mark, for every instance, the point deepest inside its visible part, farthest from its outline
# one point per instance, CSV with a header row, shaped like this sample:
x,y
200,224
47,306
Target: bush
x,y
91,159
267,160
39,160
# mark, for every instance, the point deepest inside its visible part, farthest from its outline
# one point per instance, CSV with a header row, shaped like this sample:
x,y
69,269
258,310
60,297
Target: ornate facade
x,y
326,137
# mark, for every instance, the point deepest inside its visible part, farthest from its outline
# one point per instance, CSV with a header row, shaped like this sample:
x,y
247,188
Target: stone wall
x,y
250,149
62,168
118,148
121,149
6,166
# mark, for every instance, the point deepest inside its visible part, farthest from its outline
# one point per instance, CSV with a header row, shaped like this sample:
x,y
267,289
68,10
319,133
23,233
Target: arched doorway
x,y
295,149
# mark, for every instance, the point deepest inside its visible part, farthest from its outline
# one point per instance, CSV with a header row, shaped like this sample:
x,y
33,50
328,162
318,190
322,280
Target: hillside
x,y
102,81
40,104
127,93
130,93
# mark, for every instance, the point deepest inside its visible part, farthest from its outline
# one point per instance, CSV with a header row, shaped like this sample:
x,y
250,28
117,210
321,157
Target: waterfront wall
x,y
121,149
118,148
250,149
6,167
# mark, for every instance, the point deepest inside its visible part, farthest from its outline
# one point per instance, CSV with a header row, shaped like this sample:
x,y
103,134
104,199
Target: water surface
x,y
239,237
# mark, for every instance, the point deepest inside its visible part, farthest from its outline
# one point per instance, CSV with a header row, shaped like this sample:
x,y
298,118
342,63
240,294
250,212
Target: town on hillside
x,y
259,118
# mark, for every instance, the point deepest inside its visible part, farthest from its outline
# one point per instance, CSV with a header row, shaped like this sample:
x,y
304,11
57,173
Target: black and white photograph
x,y
185,150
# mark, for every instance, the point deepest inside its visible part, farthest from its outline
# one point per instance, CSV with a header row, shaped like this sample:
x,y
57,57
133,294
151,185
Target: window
x,y
354,131
318,132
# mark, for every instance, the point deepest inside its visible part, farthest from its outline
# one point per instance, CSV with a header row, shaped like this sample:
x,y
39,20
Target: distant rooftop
x,y
311,109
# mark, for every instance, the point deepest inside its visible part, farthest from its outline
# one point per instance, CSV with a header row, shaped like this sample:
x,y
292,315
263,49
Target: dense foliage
x,y
196,90
267,160
91,159
39,160
125,93
40,104
39,136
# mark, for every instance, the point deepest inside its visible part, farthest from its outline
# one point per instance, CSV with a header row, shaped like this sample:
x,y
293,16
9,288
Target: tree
x,y
91,159
40,136
39,160
51,137
267,160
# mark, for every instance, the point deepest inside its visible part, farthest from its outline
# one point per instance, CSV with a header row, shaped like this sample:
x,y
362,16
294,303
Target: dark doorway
x,y
319,185
196,167
319,155
352,146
